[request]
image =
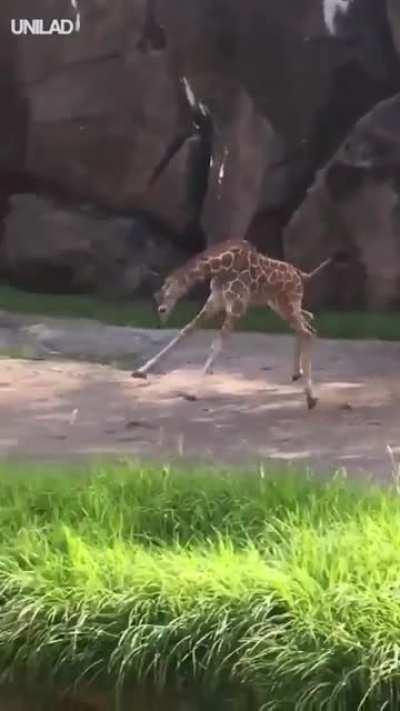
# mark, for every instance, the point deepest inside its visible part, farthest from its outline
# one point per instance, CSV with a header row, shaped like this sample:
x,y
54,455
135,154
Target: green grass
x,y
277,584
140,314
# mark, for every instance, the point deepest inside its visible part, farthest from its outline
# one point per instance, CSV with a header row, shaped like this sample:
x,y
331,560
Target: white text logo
x,y
41,27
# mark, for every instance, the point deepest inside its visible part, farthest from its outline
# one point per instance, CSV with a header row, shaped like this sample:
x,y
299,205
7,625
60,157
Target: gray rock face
x,y
48,245
240,159
97,111
394,20
26,336
355,204
291,58
90,116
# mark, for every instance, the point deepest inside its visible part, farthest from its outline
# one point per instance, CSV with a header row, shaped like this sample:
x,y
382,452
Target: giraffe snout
x,y
163,312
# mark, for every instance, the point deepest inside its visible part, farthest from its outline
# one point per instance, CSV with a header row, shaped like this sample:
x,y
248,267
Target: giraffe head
x,y
167,297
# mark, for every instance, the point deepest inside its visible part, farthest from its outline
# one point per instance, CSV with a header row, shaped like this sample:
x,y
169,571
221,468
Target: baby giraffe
x,y
240,276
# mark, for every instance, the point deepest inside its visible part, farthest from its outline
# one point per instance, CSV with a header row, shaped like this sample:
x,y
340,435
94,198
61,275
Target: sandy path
x,y
247,410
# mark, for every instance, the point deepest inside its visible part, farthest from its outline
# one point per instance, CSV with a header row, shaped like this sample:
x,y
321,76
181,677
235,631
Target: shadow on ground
x,y
247,411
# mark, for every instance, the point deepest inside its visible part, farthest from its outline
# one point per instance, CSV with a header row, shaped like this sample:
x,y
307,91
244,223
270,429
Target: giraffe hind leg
x,y
286,311
307,316
311,399
304,336
297,365
292,312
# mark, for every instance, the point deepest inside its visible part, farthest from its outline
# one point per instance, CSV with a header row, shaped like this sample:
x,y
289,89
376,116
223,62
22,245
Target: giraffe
x,y
241,276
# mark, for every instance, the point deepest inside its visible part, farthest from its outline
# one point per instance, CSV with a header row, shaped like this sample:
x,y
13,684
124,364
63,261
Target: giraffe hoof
x,y
311,402
138,374
296,377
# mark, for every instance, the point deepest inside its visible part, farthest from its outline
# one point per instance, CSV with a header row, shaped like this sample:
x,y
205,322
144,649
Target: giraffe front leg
x,y
144,369
215,350
234,311
208,310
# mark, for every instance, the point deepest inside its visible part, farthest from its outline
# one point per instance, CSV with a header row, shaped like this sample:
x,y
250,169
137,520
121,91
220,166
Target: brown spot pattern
x,y
243,276
240,261
227,260
237,287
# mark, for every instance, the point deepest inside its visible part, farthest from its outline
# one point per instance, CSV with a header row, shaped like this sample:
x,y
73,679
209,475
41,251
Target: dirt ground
x,y
247,411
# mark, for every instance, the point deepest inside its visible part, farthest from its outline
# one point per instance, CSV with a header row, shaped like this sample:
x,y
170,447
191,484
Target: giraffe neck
x,y
225,258
195,272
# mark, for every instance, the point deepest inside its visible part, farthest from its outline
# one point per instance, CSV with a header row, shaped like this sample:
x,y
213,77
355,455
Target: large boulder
x,y
49,246
354,205
310,68
89,114
243,149
394,20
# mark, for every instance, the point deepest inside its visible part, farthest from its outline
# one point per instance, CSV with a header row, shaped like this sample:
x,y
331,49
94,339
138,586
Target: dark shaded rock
x,y
265,232
239,161
48,246
309,68
394,21
90,113
195,145
285,55
355,204
90,116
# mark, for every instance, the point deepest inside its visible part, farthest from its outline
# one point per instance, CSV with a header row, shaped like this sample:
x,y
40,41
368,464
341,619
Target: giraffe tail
x,y
338,258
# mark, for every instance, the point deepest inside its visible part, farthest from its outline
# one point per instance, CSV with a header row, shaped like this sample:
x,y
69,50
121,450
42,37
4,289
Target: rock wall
x,y
87,118
54,247
97,111
354,205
